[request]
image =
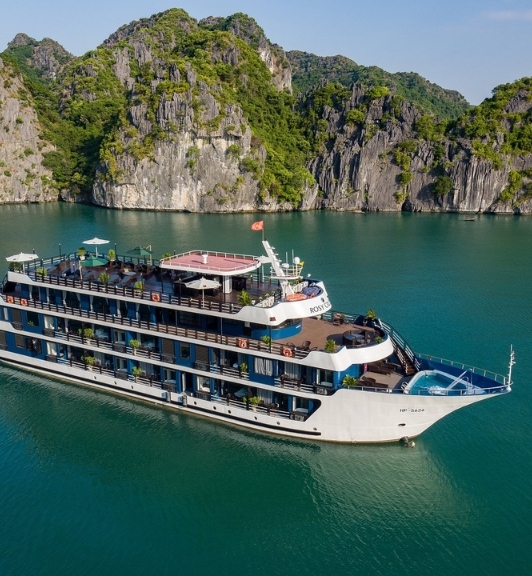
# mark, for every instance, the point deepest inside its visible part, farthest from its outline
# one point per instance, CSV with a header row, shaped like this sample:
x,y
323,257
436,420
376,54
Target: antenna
x,y
512,362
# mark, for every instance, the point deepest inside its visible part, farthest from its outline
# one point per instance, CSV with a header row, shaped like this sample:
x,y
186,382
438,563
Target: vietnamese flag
x,y
259,225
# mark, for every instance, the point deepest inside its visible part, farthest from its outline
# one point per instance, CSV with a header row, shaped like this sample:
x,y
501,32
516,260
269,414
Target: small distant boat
x,y
469,219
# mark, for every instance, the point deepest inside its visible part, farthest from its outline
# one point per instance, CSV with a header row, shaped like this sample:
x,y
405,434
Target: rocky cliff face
x,y
47,56
22,176
174,114
247,29
181,149
362,167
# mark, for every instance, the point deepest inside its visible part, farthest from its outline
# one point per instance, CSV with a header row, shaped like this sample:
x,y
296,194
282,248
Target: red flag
x,y
259,225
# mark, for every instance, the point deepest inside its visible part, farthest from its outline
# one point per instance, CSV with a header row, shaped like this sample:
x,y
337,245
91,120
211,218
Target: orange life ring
x,y
155,297
23,301
10,299
287,352
242,343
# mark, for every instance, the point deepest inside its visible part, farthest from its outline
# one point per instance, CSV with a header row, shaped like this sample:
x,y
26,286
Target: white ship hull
x,y
347,416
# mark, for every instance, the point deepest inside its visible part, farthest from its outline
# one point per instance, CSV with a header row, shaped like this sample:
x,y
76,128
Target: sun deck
x,y
213,263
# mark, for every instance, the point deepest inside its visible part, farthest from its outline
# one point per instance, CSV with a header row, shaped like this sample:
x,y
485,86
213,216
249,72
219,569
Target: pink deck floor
x,y
216,263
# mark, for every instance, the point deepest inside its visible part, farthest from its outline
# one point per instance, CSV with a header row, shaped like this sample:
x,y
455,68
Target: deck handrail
x,y
106,319
479,371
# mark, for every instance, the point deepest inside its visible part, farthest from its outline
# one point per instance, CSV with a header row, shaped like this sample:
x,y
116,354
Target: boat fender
x,y
155,297
10,299
23,301
404,440
242,343
287,352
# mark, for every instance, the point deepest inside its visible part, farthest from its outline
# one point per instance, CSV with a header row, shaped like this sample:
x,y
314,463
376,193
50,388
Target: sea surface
x,y
91,483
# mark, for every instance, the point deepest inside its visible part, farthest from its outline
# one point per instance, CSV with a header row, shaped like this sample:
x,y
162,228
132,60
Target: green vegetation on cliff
x,y
309,71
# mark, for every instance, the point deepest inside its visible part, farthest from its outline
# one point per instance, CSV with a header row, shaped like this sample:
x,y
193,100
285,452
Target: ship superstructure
x,y
239,338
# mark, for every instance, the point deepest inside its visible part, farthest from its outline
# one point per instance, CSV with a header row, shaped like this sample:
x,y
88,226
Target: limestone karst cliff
x,y
22,175
382,154
170,113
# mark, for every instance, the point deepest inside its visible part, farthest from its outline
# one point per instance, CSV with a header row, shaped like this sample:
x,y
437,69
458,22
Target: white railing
x,y
486,373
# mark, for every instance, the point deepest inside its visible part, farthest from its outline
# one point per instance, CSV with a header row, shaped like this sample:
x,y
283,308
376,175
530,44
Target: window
x,y
263,366
189,319
19,341
184,350
32,318
72,300
52,295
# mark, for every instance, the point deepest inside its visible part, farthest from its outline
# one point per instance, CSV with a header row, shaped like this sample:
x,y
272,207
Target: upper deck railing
x,y
253,261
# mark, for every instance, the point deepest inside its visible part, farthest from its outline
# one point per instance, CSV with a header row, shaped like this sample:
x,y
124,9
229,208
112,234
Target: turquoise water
x,y
96,484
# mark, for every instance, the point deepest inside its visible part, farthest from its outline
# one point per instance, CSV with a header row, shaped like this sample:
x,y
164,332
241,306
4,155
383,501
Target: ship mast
x,y
282,272
512,362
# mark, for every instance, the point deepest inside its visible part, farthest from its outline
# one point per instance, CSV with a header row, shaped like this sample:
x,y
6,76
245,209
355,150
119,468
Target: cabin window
x,y
144,312
32,318
168,350
3,313
119,337
100,305
325,376
17,316
263,366
34,345
203,384
72,300
19,341
189,319
52,295
3,341
184,350
123,309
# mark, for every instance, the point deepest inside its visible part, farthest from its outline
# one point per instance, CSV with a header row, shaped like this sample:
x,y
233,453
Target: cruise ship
x,y
246,340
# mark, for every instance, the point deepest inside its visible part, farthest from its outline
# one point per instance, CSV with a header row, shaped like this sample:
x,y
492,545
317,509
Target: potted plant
x,y
244,299
41,273
111,254
87,334
243,368
136,371
89,362
330,346
378,339
267,340
349,381
254,402
104,278
81,252
371,316
134,345
138,287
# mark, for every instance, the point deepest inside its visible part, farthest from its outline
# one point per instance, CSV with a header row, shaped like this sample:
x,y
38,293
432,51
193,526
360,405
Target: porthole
x,y
214,407
314,429
229,411
195,403
255,417
278,423
402,424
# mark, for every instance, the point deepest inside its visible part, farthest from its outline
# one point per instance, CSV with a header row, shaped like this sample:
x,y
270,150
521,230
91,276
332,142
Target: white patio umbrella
x,y
95,242
22,257
202,284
